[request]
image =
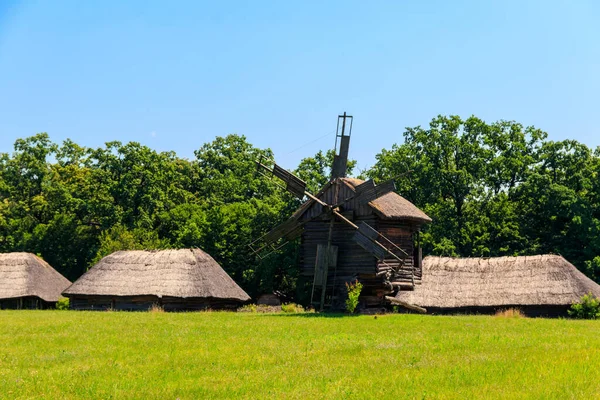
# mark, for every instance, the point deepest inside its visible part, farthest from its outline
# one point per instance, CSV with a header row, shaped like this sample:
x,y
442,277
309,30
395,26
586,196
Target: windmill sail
x,y
289,230
293,184
340,160
363,241
367,238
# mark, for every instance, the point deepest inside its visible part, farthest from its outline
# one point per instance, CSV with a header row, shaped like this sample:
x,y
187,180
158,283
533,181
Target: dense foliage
x,y
491,189
499,189
587,308
74,205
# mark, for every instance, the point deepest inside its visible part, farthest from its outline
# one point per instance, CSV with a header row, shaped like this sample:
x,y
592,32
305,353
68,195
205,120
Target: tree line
x,y
492,189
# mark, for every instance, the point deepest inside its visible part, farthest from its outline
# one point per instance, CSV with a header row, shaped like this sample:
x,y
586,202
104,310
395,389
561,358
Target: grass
x,y
117,355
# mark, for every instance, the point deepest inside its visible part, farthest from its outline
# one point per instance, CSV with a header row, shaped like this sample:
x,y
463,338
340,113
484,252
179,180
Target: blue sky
x,y
173,75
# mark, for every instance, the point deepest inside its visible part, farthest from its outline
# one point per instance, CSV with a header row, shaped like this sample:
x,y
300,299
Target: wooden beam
x,y
310,196
346,220
404,304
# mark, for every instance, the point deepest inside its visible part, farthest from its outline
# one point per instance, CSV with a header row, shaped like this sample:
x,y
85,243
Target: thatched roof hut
x,y
27,281
539,285
185,279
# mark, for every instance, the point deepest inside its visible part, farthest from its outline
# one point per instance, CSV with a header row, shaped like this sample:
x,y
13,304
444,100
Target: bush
x,y
292,308
252,308
62,303
263,308
587,308
354,289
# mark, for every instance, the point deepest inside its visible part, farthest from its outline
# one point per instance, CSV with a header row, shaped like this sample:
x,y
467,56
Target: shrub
x,y
587,308
510,313
292,308
252,308
263,308
354,289
62,303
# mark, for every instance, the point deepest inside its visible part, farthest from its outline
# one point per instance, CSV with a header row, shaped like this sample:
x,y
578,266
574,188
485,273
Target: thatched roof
x,y
503,281
389,206
25,274
182,273
392,205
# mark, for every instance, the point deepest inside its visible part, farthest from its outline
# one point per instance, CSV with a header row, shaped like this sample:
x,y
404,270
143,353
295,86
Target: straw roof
x,y
182,273
389,206
503,281
392,205
25,274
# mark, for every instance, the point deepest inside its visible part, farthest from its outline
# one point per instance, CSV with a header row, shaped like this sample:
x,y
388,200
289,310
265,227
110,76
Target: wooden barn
x,y
542,285
28,282
187,279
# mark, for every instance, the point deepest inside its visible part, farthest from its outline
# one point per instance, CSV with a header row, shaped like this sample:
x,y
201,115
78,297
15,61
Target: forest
x,y
492,189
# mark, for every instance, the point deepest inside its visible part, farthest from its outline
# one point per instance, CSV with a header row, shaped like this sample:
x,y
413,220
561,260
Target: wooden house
x,y
28,282
397,223
542,285
187,279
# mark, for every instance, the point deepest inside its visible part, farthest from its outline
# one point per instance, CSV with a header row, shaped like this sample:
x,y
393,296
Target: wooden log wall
x,y
144,303
26,303
352,259
378,278
402,234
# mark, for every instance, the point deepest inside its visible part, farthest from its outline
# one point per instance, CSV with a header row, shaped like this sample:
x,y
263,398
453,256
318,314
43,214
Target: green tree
x,y
499,189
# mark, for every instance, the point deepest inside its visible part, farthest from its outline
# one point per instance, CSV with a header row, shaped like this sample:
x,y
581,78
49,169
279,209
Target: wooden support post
x,y
401,303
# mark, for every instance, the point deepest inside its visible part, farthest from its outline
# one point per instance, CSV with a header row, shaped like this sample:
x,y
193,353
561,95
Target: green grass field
x,y
118,355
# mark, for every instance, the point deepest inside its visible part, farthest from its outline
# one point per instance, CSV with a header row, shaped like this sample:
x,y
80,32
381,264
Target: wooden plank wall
x,y
144,303
26,303
352,259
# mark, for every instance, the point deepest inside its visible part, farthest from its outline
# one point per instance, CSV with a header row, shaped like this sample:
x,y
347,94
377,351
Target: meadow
x,y
119,355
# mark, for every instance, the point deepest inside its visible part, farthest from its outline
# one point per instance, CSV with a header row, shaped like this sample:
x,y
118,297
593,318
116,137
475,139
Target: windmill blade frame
x,y
367,191
290,229
371,235
293,184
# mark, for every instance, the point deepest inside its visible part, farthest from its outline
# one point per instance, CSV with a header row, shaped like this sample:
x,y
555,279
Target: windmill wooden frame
x,y
331,212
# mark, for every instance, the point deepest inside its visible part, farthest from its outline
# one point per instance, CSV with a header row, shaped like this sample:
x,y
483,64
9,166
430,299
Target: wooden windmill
x,y
351,229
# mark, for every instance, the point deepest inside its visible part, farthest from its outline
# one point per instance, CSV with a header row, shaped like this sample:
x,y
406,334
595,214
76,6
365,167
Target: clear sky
x,y
175,74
